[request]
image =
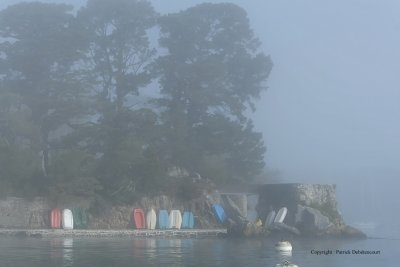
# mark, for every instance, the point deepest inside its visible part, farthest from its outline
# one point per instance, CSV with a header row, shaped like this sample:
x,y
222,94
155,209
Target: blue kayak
x,y
188,220
219,213
163,219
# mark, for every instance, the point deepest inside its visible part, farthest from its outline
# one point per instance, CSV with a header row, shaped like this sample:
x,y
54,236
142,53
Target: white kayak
x,y
67,219
270,219
151,219
280,216
175,219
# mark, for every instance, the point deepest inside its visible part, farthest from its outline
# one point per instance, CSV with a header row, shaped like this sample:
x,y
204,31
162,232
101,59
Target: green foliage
x,y
130,169
18,160
71,174
73,122
117,56
213,62
230,148
209,78
118,46
18,169
39,54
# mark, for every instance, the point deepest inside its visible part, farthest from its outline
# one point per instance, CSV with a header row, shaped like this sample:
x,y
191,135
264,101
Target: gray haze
x,y
332,109
331,113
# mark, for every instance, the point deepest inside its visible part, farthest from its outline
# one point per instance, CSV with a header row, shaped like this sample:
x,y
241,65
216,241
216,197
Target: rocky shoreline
x,y
311,212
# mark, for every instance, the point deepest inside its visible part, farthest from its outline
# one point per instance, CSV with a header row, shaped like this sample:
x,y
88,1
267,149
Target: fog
x,y
331,111
330,114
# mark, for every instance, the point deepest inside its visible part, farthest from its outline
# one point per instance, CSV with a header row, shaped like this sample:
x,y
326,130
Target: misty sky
x,y
331,113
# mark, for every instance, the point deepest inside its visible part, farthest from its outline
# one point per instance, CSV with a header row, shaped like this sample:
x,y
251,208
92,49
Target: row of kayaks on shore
x,y
78,218
164,220
68,219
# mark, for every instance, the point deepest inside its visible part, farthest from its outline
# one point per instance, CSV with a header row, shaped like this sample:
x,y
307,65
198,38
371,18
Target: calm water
x,y
101,252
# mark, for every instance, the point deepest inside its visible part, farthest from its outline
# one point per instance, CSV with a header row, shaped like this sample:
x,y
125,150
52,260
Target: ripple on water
x,y
145,252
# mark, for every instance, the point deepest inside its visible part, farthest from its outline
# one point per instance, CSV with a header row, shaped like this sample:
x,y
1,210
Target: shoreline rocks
x,y
312,212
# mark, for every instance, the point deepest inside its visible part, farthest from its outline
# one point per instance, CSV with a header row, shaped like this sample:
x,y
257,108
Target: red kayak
x,y
55,218
138,218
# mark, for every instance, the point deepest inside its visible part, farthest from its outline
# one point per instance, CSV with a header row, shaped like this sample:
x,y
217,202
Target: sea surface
x,y
99,252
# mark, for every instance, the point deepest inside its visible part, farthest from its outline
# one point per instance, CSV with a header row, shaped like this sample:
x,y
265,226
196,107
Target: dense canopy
x,y
116,101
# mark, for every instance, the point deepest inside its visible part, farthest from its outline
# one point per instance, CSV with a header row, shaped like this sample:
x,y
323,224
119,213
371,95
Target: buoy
x,y
283,246
286,264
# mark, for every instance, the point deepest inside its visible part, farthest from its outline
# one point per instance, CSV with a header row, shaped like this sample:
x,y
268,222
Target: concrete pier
x,y
181,233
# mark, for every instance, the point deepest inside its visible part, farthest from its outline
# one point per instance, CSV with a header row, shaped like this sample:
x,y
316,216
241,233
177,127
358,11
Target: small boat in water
x,y
286,264
283,246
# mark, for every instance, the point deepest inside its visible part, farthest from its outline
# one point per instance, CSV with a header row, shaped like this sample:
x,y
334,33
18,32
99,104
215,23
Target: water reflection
x,y
61,251
158,252
68,259
121,252
55,251
285,254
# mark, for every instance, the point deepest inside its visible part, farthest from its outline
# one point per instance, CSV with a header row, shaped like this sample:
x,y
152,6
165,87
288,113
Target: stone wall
x,y
19,213
317,196
22,213
120,217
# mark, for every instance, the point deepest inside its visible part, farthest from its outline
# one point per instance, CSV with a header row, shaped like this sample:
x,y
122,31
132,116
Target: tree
x,y
119,46
209,78
72,173
18,162
40,49
118,55
71,107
